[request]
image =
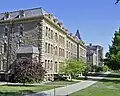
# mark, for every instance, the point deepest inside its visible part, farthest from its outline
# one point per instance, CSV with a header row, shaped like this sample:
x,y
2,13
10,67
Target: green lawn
x,y
109,86
20,90
62,83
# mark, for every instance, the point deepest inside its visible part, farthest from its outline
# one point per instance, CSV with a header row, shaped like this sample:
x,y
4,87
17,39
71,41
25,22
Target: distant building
x,y
94,55
42,30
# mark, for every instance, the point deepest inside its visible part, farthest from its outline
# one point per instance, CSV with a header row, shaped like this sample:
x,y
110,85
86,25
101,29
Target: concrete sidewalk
x,y
69,89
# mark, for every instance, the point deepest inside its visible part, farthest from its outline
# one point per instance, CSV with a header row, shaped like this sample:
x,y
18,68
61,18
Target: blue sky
x,y
96,19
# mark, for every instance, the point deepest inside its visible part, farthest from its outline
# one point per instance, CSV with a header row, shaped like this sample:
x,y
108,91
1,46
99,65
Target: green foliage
x,y
26,70
114,62
113,56
72,67
97,68
105,68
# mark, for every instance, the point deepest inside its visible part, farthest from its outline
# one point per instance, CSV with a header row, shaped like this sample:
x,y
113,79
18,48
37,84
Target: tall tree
x,y
112,57
115,48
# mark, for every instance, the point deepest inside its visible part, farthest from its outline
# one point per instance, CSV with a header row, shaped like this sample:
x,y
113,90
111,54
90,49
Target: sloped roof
x,y
27,49
27,13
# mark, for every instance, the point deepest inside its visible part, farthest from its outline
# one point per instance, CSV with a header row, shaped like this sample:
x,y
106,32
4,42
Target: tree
x,y
72,67
117,1
113,56
27,71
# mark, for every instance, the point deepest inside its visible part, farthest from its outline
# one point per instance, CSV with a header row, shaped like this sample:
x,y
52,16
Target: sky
x,y
97,20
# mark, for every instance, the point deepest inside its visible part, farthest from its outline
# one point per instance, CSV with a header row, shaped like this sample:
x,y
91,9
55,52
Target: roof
x,y
27,13
27,49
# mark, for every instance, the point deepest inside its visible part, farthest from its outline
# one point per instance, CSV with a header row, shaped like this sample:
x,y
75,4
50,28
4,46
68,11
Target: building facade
x,y
40,29
95,55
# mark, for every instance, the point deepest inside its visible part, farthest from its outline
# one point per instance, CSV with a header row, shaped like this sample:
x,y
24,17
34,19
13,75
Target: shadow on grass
x,y
114,78
105,80
113,75
19,93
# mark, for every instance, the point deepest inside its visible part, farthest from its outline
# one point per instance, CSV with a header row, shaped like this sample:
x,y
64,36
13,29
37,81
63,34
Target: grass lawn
x,y
109,86
62,82
20,90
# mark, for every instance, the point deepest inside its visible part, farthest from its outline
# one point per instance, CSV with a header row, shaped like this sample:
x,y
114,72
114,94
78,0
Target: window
x,y
1,64
60,51
45,64
56,37
67,54
51,34
48,64
63,53
45,47
51,67
48,48
56,50
21,13
67,43
51,49
46,33
6,31
5,47
63,41
21,29
6,15
71,46
55,67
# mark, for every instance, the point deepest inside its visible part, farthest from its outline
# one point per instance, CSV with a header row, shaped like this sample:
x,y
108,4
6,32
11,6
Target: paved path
x,y
63,91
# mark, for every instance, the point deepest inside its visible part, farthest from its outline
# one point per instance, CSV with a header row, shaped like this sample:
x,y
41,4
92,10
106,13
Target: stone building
x,y
40,29
94,55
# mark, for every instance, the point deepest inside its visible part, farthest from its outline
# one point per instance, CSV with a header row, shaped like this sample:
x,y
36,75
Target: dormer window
x,y
49,15
59,23
21,13
55,20
6,15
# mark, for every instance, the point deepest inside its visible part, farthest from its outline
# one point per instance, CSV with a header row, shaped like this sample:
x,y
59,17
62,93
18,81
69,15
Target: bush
x,y
97,68
105,68
27,71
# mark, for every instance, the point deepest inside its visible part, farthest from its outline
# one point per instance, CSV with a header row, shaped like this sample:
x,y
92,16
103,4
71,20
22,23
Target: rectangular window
x,y
55,67
45,64
56,37
48,64
67,43
56,50
51,49
59,51
46,32
51,34
46,47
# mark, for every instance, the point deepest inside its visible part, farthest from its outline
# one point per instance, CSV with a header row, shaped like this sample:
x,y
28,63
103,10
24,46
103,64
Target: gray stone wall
x,y
30,37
